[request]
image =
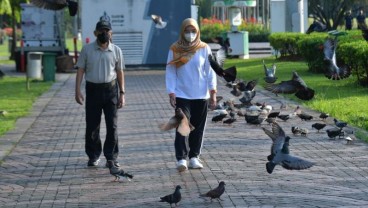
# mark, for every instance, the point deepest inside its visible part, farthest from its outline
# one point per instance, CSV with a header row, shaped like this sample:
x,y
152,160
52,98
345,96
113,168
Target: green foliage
x,y
342,99
211,28
311,49
285,43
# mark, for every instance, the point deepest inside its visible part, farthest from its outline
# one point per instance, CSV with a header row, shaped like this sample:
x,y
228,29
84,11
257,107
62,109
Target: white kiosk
x,y
239,42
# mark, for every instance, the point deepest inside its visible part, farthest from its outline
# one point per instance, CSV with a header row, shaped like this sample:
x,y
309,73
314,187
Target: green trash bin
x,y
49,66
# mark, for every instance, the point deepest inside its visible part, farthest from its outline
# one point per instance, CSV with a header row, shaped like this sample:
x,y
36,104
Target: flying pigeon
x,y
295,86
316,26
216,192
333,71
159,24
57,5
217,63
270,73
118,172
179,121
318,126
280,153
173,198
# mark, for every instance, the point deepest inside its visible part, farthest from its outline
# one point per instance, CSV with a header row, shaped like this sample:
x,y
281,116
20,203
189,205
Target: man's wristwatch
x,y
122,92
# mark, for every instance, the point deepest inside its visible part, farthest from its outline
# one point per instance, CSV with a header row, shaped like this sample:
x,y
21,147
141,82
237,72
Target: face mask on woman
x,y
190,36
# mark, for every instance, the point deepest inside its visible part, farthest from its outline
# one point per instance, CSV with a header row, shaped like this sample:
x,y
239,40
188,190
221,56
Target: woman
x,y
191,85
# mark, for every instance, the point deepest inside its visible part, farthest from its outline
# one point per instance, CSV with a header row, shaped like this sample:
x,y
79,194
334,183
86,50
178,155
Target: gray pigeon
x,y
280,154
173,198
159,23
117,172
333,71
270,76
340,124
216,192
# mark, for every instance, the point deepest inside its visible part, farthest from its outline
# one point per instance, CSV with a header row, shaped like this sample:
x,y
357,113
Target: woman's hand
x,y
172,100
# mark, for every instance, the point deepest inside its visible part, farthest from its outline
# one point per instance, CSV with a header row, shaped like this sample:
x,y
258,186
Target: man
x,y
101,63
348,20
361,20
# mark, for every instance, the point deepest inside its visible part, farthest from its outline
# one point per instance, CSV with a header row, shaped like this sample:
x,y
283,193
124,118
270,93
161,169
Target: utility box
x,y
239,44
34,66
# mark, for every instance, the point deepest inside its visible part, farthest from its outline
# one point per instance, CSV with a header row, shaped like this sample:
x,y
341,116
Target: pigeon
x,y
304,116
236,92
225,44
295,86
230,120
216,192
297,130
57,5
323,116
284,117
334,132
173,198
159,24
179,121
219,116
350,139
270,73
118,172
316,26
318,126
333,71
340,124
228,74
280,153
254,119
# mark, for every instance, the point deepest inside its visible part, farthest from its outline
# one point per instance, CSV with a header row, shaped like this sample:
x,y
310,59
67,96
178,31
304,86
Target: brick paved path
x,y
47,168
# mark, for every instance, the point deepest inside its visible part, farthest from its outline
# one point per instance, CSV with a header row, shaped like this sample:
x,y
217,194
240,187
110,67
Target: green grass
x,y
343,99
14,97
16,100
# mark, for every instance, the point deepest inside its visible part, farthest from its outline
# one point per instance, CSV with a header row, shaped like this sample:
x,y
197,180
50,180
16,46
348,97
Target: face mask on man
x,y
103,37
190,36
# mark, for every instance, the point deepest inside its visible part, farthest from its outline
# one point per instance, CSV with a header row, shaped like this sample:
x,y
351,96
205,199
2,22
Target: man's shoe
x,y
195,163
115,162
93,162
181,165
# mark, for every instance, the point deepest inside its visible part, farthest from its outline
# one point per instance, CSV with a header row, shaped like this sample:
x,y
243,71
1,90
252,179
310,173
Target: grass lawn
x,y
343,99
14,97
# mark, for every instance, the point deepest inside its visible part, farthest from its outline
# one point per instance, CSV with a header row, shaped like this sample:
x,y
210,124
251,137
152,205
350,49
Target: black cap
x,y
102,24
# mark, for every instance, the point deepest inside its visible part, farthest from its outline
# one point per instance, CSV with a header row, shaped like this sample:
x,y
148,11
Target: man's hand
x,y
79,97
121,101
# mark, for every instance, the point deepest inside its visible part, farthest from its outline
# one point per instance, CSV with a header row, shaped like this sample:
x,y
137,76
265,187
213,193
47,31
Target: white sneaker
x,y
181,165
194,163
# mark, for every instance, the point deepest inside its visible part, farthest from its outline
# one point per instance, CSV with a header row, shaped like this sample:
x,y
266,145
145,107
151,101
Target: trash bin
x,y
48,62
34,65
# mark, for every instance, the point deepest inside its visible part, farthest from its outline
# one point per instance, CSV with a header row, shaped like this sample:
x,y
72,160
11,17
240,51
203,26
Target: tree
x,y
12,7
204,8
331,12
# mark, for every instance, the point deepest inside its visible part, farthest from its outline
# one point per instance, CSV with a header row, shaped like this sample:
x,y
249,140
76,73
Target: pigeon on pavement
x,y
280,154
173,198
216,192
118,172
318,126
